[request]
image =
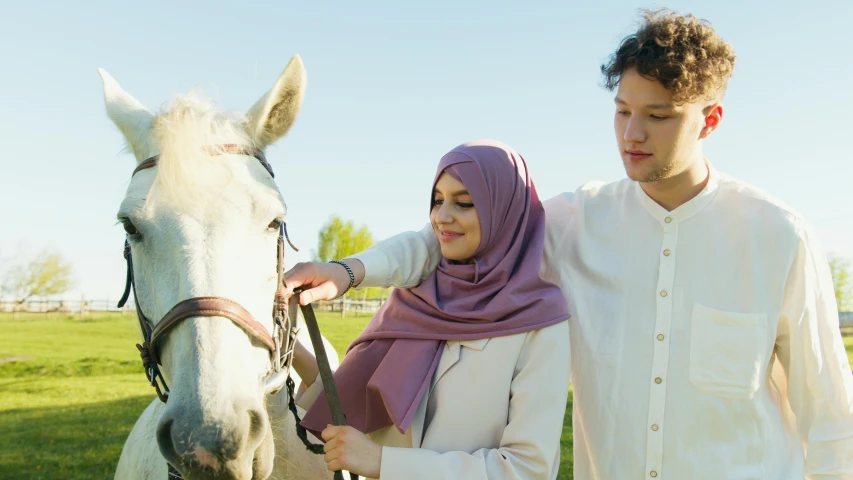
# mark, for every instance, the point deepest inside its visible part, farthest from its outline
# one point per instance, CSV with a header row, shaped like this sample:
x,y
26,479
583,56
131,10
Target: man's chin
x,y
643,174
635,176
638,174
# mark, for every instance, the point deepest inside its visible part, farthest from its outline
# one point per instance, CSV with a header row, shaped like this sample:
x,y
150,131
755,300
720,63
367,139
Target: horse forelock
x,y
183,133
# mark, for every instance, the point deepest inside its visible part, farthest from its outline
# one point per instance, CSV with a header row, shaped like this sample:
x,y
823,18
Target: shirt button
x,y
653,474
668,219
666,252
658,380
660,337
663,293
654,428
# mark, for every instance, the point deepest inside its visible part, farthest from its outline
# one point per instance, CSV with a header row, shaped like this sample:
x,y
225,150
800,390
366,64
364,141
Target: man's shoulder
x,y
602,190
591,191
563,209
760,206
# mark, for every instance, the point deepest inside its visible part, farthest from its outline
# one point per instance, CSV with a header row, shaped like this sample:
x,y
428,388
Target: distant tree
x,y
843,282
46,274
341,238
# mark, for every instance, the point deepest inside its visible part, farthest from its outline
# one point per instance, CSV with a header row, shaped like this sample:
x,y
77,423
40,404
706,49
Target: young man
x,y
705,337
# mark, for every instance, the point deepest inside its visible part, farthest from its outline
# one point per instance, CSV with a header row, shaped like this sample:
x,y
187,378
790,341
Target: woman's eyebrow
x,y
455,194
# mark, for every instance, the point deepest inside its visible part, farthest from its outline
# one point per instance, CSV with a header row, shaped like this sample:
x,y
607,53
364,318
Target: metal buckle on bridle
x,y
152,372
277,332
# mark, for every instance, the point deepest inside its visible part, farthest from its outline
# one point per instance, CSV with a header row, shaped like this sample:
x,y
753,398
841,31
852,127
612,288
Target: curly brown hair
x,y
682,53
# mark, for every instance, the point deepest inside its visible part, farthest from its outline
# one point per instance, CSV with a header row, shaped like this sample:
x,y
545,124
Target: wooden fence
x,y
363,306
85,305
846,322
51,307
347,305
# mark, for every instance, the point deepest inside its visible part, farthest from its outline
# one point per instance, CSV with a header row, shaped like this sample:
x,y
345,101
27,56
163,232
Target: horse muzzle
x,y
236,445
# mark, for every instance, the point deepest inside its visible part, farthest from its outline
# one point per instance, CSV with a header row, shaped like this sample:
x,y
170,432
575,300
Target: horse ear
x,y
273,114
133,119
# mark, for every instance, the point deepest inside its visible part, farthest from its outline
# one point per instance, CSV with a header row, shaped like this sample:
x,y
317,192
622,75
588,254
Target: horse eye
x,y
129,227
275,224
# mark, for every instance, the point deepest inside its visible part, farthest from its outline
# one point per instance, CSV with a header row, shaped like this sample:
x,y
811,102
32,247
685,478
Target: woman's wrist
x,y
350,276
357,270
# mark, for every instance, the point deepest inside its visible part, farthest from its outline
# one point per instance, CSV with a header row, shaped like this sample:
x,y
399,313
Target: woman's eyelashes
x,y
440,201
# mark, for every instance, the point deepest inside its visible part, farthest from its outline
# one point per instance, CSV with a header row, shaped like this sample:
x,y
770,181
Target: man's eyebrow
x,y
653,106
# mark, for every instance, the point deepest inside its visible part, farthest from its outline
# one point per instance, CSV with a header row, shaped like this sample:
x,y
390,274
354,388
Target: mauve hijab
x,y
390,365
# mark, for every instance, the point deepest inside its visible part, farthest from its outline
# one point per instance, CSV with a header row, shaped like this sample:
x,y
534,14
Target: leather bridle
x,y
280,343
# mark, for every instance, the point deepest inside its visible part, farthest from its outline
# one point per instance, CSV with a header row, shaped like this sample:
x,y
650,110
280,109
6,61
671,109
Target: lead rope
x,y
338,417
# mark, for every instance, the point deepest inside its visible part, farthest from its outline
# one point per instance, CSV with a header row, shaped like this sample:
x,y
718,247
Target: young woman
x,y
466,374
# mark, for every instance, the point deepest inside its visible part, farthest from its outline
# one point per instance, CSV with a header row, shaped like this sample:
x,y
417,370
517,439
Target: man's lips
x,y
637,155
447,235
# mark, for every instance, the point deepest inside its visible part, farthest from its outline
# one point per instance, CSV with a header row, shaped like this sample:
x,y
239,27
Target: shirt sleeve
x,y
530,445
810,348
558,215
307,398
404,260
407,259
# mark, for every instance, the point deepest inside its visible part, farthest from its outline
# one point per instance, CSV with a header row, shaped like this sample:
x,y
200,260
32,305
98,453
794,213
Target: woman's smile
x,y
448,235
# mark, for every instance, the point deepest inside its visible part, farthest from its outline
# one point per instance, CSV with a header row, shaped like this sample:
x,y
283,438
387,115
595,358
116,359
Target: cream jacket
x,y
494,410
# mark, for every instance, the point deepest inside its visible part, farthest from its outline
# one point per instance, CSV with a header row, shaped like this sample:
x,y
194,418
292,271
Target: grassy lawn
x,y
76,388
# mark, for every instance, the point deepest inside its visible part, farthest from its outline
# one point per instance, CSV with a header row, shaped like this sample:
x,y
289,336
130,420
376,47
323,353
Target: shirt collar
x,y
686,210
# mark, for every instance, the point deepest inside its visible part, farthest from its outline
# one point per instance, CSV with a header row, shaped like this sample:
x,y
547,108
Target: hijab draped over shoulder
x,y
499,292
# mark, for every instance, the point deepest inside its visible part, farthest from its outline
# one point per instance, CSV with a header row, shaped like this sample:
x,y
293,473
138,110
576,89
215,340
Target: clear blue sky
x,y
392,86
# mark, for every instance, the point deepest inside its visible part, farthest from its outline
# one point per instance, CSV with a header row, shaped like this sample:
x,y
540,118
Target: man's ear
x,y
713,118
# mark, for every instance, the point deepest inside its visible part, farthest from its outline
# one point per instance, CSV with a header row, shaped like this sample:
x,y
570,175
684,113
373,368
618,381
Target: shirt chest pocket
x,y
727,351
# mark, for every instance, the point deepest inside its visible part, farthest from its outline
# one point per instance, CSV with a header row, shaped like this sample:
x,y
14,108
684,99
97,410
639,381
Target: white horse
x,y
203,224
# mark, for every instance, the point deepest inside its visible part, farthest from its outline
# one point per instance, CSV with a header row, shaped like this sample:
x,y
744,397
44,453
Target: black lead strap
x,y
328,379
338,417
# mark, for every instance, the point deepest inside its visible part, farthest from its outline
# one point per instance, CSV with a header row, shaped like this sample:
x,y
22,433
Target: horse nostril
x,y
257,426
164,439
164,433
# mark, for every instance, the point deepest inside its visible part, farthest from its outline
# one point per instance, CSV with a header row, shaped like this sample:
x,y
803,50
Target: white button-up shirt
x,y
705,340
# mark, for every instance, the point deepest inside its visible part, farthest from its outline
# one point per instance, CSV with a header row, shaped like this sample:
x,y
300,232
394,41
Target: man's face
x,y
657,139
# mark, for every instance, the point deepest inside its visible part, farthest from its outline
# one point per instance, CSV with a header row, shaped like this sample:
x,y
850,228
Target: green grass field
x,y
76,387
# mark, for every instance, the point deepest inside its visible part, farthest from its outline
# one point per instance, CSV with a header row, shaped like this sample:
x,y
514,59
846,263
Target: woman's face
x,y
454,219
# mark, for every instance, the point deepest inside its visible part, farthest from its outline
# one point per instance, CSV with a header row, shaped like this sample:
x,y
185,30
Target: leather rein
x,y
280,343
